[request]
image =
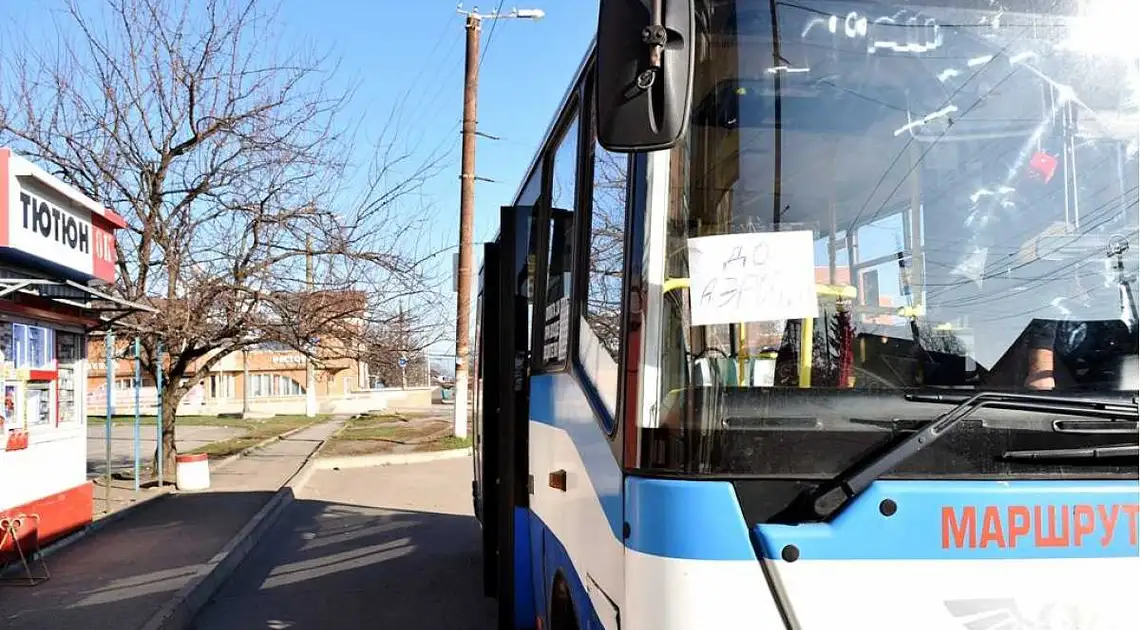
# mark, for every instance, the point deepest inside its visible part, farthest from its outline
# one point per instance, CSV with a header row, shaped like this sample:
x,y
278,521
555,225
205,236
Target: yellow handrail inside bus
x,y
839,292
909,312
672,284
845,291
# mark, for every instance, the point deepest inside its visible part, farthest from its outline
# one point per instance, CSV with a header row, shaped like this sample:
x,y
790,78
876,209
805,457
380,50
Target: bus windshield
x,y
875,197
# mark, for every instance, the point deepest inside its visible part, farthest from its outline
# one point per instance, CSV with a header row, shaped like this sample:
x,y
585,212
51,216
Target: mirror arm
x,y
654,36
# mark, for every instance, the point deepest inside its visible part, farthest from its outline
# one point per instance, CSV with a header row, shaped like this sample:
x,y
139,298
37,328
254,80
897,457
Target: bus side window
x,y
564,177
599,336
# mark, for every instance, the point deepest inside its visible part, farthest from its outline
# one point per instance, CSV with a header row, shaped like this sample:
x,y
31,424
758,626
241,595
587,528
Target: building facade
x,y
273,374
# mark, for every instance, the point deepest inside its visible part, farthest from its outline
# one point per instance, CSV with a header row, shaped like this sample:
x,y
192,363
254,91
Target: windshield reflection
x,y
969,174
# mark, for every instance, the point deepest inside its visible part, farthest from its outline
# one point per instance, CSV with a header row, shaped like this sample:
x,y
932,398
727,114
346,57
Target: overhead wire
x,y
1079,294
482,56
490,34
1031,283
428,58
1012,244
1000,268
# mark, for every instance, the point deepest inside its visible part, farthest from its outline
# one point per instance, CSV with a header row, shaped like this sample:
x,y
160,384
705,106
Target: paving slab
x,y
116,578
391,547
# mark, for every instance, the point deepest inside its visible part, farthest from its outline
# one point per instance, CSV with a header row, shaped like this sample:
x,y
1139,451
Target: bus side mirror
x,y
644,73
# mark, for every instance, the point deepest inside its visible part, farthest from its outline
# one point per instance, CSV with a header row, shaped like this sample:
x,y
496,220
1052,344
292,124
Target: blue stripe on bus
x,y
697,520
538,562
524,585
556,560
542,399
575,416
963,520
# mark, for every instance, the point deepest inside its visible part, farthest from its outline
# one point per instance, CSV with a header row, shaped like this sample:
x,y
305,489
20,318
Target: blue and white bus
x,y
819,314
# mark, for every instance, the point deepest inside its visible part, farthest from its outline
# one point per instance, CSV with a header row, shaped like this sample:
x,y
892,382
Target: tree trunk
x,y
170,398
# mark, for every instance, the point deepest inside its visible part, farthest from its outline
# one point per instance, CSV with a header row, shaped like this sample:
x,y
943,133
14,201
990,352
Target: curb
x,y
95,525
179,612
392,459
226,461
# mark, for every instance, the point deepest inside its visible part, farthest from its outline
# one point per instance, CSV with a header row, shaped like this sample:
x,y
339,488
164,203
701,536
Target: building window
x,y
266,385
262,385
222,386
290,387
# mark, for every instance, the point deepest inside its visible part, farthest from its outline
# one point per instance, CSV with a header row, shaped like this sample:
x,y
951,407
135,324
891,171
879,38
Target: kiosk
x,y
57,248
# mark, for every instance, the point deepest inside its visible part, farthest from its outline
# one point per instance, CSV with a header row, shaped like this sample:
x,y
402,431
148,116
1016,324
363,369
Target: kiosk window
x,y
37,404
33,346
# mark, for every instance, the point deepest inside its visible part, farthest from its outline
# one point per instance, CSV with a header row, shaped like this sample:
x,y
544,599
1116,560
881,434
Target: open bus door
x,y
508,268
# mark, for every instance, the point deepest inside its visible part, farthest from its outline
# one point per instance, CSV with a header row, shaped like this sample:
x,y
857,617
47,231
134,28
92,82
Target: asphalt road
x,y
391,547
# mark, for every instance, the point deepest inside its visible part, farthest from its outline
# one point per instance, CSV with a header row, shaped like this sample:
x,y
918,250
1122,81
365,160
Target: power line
x,y
482,57
491,33
439,40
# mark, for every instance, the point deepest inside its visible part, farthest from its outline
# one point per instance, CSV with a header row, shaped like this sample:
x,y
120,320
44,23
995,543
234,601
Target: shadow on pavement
x,y
118,462
117,577
333,565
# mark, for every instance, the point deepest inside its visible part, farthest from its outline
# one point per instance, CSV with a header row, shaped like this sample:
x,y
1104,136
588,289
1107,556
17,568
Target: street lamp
x,y
467,202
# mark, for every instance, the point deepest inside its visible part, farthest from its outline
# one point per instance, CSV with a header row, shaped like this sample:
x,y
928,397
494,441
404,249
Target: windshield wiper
x,y
825,501
1092,452
1049,403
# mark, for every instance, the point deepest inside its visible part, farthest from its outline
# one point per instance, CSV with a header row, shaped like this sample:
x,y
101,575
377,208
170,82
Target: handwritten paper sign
x,y
754,277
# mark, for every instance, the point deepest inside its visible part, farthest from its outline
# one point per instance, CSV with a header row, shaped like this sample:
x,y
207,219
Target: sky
x,y
390,49
412,52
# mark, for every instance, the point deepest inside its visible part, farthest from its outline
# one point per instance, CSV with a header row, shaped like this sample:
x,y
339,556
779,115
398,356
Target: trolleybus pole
x,y
158,391
109,351
138,386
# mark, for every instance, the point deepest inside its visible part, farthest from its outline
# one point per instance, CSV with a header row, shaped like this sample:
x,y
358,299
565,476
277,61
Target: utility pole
x,y
310,373
467,204
466,222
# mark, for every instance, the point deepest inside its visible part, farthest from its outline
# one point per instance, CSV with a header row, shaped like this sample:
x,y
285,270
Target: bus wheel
x,y
562,616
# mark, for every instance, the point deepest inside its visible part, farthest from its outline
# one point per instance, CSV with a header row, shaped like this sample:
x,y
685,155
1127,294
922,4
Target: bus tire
x,y
562,615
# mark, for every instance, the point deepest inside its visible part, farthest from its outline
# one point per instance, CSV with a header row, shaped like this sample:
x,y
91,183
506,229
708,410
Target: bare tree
x,y
227,158
406,337
607,248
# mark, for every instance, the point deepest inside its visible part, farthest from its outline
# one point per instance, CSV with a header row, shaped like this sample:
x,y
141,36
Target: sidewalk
x,y
118,577
122,496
